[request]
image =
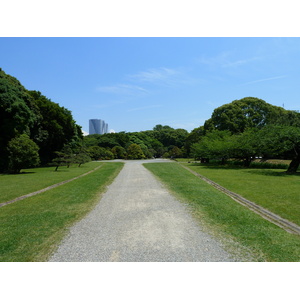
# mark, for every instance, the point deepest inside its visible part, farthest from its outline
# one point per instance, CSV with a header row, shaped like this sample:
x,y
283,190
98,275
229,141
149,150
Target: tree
x,y
193,137
94,152
81,158
62,159
175,152
214,145
98,153
119,152
23,153
18,113
134,151
243,114
22,111
245,146
56,129
169,136
278,140
160,127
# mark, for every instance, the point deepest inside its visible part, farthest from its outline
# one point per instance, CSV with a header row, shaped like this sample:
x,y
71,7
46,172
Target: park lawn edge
x,y
32,229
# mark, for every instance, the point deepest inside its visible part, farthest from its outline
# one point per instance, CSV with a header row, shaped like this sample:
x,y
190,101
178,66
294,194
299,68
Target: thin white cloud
x,y
144,107
161,76
227,60
108,104
215,60
126,89
154,75
240,62
264,79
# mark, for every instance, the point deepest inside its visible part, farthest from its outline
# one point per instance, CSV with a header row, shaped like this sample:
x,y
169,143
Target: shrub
x,y
23,153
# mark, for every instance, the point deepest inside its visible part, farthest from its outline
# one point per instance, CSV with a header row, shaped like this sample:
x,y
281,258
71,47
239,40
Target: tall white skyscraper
x,y
97,126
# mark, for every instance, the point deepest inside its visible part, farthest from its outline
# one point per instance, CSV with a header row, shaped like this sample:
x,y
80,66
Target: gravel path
x,y
138,220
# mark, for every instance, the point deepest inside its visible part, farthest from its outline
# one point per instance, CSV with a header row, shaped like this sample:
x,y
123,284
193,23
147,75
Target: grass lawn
x,y
32,228
271,188
238,227
31,180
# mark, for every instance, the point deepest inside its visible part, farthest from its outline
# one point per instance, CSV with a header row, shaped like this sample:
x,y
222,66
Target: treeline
x,y
248,128
241,130
162,141
32,127
36,131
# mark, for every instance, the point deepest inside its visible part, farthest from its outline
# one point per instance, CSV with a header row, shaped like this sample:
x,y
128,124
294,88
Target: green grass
x,y
31,180
271,188
238,227
31,229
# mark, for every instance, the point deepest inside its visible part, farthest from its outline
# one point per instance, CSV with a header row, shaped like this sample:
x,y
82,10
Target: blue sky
x,y
134,83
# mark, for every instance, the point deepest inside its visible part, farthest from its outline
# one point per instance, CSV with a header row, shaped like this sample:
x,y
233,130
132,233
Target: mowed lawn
x,y
31,229
271,188
31,180
240,229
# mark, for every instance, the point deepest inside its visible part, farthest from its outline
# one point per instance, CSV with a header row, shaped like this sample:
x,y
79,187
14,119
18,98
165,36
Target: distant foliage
x,y
158,142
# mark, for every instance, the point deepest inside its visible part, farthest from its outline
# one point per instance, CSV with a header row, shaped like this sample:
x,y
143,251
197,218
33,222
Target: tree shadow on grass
x,y
217,166
256,171
267,172
15,174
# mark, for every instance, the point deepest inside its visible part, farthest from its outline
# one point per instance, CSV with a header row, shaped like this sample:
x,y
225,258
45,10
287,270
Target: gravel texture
x,y
138,220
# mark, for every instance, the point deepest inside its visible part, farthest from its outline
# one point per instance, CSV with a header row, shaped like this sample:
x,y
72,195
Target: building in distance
x,y
97,126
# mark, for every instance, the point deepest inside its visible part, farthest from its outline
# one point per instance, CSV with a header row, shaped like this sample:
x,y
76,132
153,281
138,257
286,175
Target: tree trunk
x,y
247,162
294,165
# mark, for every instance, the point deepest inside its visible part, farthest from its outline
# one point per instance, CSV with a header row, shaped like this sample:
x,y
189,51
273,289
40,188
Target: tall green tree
x,y
169,136
18,113
240,115
282,141
193,137
245,146
29,112
56,129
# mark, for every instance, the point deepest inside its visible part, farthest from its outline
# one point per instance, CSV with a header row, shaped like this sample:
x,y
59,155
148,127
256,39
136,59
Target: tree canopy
x,y
257,129
239,115
47,124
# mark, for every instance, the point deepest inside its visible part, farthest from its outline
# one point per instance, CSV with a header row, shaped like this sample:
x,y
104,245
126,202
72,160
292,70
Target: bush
x,y
23,153
135,151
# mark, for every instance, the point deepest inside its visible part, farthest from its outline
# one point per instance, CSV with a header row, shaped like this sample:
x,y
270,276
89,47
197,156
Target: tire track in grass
x,y
47,188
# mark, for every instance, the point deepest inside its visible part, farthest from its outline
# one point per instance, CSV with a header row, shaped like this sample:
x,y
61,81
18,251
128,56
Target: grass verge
x,y
31,229
273,189
31,180
236,226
